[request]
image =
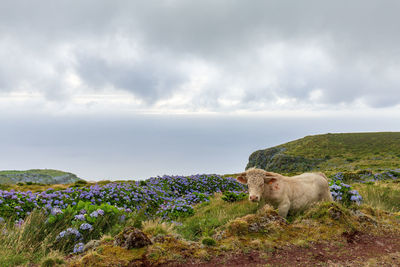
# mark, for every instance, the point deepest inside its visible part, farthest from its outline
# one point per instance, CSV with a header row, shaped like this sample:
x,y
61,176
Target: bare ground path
x,y
356,249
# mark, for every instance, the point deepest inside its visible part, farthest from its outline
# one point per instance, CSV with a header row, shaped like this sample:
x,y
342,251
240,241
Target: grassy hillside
x,y
332,152
44,176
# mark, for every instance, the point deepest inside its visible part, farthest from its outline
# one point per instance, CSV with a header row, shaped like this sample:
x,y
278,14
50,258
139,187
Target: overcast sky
x,y
132,89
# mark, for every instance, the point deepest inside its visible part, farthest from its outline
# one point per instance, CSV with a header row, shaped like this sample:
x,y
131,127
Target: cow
x,y
286,193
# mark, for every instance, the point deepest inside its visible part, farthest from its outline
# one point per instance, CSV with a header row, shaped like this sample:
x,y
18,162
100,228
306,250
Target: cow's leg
x,y
283,208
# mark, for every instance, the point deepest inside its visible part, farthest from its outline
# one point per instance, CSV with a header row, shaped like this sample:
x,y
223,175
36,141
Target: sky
x,y
133,89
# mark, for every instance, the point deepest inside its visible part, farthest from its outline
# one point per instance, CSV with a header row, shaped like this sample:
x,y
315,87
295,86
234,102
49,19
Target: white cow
x,y
286,193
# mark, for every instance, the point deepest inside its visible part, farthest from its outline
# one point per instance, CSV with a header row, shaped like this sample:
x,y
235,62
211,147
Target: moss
x,y
238,227
202,254
109,255
208,241
54,258
328,212
48,263
266,220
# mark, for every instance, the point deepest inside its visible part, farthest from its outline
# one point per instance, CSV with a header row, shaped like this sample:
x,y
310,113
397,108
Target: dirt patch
x,y
240,259
353,248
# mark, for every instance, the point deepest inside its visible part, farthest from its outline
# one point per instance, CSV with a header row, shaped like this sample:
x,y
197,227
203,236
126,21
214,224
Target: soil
x,y
353,249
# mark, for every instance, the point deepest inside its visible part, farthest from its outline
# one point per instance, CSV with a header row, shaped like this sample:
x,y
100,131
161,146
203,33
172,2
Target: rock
x,y
91,245
274,159
131,237
362,217
266,220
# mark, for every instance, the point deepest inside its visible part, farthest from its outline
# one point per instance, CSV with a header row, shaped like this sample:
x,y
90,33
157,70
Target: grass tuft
x,y
211,215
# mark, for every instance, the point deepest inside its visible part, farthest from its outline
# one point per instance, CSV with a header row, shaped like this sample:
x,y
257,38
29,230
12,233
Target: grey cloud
x,y
360,38
148,80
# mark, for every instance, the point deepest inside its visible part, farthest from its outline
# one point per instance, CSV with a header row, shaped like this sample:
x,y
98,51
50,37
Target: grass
x,y
48,172
32,243
29,242
211,215
45,176
333,153
381,195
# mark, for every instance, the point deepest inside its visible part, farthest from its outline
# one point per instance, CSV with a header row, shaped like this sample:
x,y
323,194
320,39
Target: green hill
x,y
332,152
45,176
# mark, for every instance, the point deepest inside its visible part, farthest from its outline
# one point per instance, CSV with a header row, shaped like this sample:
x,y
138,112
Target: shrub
x,y
88,222
80,182
343,192
232,196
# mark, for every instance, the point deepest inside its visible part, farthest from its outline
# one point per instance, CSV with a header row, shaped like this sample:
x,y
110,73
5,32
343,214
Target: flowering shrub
x,y
87,222
67,239
83,213
78,248
343,192
233,196
155,195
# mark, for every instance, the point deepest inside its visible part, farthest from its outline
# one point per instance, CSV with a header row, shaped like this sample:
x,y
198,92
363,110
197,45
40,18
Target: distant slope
x,y
45,176
332,152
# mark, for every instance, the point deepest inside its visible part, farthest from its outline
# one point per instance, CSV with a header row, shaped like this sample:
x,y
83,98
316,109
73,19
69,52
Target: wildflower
x,y
56,211
94,214
19,223
335,187
61,234
78,248
86,226
100,212
80,217
68,232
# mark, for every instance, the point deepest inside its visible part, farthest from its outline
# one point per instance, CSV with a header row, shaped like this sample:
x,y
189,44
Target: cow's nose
x,y
254,198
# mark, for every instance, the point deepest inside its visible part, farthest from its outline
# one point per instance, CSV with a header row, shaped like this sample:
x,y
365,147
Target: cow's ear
x,y
242,178
269,180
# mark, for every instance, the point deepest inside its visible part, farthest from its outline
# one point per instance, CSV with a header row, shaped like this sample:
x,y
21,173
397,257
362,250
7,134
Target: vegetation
x,y
216,222
37,176
199,217
332,153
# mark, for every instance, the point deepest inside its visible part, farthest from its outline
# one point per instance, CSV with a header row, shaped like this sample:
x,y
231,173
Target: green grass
x,y
28,243
381,195
211,215
333,152
48,172
44,176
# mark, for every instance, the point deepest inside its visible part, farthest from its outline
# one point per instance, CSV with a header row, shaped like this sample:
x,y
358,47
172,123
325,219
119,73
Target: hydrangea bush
x,y
343,192
157,195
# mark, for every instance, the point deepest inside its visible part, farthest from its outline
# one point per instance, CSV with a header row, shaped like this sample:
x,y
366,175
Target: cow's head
x,y
256,180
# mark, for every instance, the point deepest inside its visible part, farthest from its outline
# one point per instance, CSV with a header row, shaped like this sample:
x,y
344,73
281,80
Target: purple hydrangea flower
x,y
100,212
78,248
56,211
80,217
86,226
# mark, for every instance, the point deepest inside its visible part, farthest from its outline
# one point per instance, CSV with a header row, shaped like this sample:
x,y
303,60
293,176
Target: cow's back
x,y
306,189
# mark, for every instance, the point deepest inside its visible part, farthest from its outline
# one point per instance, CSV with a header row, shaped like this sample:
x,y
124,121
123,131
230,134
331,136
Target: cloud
x,y
204,56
